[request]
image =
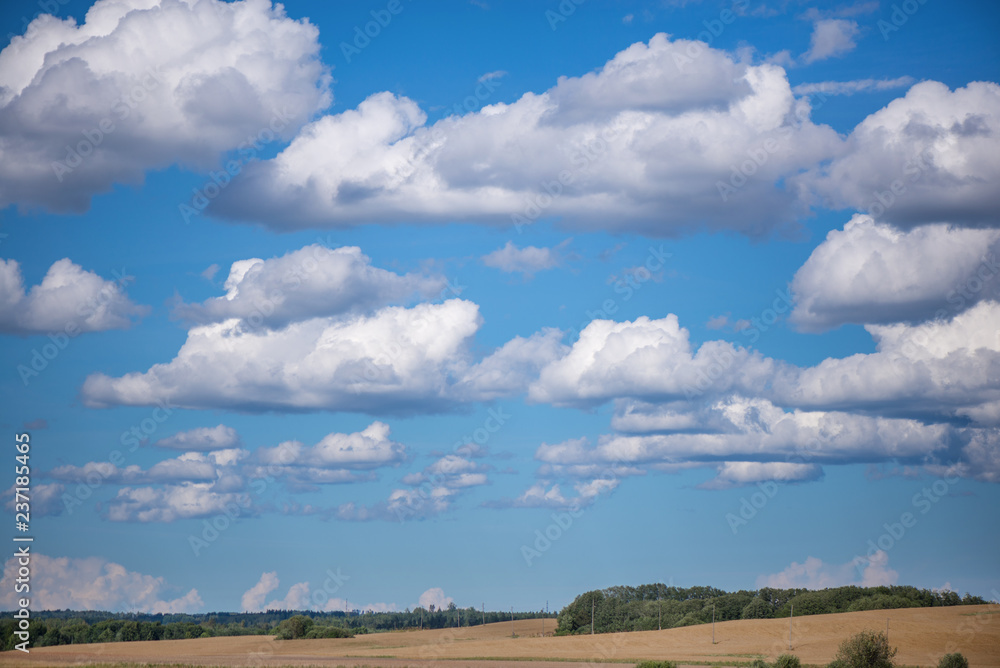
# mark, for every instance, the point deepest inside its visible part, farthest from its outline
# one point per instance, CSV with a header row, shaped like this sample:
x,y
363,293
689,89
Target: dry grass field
x,y
922,636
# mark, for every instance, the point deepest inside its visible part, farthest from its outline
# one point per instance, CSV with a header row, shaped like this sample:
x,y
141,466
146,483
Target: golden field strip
x,y
922,635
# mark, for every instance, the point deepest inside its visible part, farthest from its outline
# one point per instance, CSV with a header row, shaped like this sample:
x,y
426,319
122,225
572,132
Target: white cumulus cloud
x,y
147,84
874,273
68,300
93,583
638,145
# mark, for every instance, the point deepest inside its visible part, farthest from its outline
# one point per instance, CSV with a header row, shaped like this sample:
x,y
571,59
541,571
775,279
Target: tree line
x,y
653,606
69,627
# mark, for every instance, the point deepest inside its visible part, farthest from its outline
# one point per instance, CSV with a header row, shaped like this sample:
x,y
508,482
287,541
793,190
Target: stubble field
x,y
922,635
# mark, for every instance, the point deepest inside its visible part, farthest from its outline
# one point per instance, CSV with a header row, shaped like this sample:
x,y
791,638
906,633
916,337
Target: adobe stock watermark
x,y
914,169
923,501
967,291
219,181
50,7
768,489
544,538
628,286
242,505
563,521
95,136
713,30
363,36
131,439
971,626
435,135
42,357
781,304
495,420
898,17
562,12
592,152
760,155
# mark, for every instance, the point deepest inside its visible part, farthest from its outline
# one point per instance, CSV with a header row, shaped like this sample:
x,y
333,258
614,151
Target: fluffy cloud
x,y
813,573
310,282
544,494
432,492
46,499
173,502
928,157
738,431
831,38
335,459
189,467
434,596
628,141
93,584
202,439
873,273
394,361
146,84
203,484
737,474
253,599
528,260
68,300
512,367
935,370
646,358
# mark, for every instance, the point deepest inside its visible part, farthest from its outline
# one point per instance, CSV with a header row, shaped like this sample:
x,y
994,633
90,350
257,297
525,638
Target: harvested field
x,y
922,636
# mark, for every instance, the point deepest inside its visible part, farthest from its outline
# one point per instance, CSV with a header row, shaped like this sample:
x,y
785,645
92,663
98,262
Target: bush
x,y
294,627
328,632
759,663
788,661
837,663
955,660
868,649
656,664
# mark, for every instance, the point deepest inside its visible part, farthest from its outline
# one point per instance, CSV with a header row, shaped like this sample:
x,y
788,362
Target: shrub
x,y
788,661
868,649
837,663
328,632
955,660
759,663
294,627
656,664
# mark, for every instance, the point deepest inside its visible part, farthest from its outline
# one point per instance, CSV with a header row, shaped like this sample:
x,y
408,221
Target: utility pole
x,y
792,614
659,614
713,623
484,613
591,616
512,634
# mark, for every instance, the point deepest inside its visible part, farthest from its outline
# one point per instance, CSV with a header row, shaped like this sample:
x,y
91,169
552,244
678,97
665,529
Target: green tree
x,y
868,649
788,661
955,660
758,608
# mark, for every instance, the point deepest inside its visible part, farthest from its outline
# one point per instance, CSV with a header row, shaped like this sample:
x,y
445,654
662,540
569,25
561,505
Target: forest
x,y
654,606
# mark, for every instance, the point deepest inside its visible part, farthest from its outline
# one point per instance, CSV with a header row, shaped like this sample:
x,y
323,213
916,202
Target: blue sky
x,y
711,285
